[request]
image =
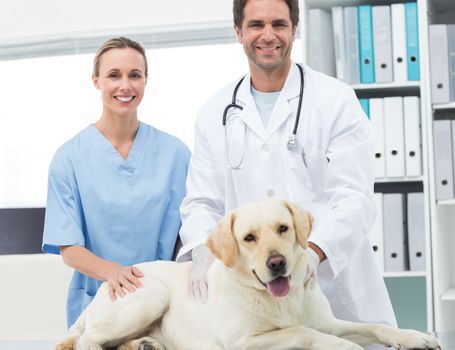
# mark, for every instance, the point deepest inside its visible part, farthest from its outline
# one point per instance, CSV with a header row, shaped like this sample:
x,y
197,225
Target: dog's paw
x,y
149,345
415,340
145,343
67,344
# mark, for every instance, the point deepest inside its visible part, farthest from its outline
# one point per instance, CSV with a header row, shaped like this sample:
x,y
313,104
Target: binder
x,y
452,124
451,47
339,41
377,233
366,44
394,136
412,41
416,232
377,124
395,245
365,104
382,38
412,136
439,63
400,67
322,57
351,36
443,164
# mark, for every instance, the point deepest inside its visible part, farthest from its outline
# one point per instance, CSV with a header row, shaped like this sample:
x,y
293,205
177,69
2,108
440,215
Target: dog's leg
x,y
74,333
294,338
112,323
368,334
145,343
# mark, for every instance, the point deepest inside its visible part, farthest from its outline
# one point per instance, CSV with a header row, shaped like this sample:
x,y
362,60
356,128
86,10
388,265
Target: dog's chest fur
x,y
276,312
261,310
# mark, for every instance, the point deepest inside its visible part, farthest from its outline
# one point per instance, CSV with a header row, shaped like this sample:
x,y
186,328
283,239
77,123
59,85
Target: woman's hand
x,y
122,280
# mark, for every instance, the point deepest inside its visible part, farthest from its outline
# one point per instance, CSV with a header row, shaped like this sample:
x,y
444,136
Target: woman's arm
x,y
120,279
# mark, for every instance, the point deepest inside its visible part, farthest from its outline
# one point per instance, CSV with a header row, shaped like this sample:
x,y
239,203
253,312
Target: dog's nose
x,y
277,263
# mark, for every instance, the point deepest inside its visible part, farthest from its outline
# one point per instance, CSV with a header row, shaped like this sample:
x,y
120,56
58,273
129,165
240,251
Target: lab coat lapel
x,y
250,114
283,110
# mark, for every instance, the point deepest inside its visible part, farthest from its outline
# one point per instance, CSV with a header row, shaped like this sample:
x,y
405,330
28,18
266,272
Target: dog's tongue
x,y
279,287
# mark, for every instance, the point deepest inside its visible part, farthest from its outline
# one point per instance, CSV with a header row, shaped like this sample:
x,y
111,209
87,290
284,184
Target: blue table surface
x,y
447,339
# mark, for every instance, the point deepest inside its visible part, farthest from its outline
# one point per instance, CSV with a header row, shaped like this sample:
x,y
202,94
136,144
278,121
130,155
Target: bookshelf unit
x,y
415,304
443,211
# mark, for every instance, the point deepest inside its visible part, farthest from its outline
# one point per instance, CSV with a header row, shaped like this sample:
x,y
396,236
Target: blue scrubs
x,y
125,211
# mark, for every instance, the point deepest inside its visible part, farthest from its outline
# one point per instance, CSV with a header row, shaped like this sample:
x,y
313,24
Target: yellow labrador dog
x,y
257,298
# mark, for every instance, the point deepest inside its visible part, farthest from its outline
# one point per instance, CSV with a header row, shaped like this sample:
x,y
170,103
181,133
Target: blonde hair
x,y
117,43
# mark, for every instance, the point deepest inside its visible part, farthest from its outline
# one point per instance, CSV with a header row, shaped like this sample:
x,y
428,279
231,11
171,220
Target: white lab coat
x,y
338,192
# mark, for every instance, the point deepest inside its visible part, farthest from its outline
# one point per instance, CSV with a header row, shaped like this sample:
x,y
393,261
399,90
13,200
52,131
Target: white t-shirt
x,y
265,102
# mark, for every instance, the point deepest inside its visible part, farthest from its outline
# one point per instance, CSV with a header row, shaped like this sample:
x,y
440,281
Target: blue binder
x,y
366,45
412,41
365,103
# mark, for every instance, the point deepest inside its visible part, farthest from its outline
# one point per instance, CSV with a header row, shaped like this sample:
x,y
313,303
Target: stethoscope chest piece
x,y
291,145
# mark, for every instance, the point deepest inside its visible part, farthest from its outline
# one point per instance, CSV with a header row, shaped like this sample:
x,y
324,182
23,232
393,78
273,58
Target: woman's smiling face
x,y
121,80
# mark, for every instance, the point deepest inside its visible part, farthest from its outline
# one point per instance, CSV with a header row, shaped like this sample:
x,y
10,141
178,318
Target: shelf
x,y
410,88
328,4
448,295
398,179
444,106
404,274
446,202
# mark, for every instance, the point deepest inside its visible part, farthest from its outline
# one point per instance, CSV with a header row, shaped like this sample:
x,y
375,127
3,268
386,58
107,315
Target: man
x,y
261,147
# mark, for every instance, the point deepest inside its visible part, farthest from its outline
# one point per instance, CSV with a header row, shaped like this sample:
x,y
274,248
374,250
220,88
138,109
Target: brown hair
x,y
117,43
239,6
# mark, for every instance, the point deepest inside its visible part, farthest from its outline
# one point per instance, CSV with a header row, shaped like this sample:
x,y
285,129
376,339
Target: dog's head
x,y
263,242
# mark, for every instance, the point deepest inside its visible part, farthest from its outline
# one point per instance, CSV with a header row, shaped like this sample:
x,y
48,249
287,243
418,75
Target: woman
x,y
115,188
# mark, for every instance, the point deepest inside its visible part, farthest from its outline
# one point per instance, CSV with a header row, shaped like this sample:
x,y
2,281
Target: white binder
x,y
396,258
377,123
382,38
452,124
399,43
394,136
339,42
412,136
443,163
351,36
322,57
439,63
416,232
451,47
377,233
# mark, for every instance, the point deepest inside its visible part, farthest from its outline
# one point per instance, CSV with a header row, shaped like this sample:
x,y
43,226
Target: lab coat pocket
x,y
307,175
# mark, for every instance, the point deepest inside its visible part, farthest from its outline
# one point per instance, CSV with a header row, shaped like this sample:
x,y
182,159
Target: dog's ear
x,y
303,222
222,242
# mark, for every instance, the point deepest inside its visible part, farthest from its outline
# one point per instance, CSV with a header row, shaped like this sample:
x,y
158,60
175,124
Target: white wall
x,y
23,19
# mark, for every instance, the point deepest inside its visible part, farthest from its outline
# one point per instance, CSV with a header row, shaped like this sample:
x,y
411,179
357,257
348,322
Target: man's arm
x,y
348,185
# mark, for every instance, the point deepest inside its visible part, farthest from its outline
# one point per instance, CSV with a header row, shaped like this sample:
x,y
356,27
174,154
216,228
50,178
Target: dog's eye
x,y
249,238
282,228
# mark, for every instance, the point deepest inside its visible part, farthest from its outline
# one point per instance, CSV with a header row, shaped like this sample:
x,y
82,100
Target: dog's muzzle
x,y
277,264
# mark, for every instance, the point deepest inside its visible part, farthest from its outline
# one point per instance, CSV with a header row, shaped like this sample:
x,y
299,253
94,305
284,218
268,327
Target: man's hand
x,y
197,284
311,268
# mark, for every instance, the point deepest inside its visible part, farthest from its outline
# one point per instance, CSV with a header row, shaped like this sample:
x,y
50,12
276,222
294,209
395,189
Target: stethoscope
x,y
291,144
